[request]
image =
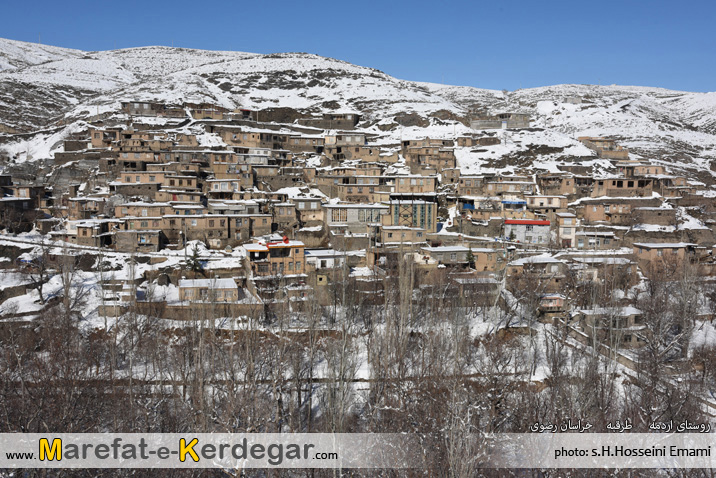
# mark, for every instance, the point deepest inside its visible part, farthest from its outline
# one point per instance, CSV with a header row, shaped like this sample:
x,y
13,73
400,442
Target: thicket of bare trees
x,y
414,364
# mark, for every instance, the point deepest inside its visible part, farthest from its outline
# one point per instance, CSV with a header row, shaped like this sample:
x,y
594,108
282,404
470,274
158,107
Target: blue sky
x,y
500,45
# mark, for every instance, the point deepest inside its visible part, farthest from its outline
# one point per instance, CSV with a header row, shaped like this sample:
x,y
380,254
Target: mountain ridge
x,y
43,87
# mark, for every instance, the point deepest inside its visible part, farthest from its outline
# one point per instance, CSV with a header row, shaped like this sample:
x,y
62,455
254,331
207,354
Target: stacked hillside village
x,y
272,212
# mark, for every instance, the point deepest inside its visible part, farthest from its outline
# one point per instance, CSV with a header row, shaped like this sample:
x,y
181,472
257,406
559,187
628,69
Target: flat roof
x,y
209,283
541,259
357,206
324,253
272,245
663,245
445,249
531,222
618,311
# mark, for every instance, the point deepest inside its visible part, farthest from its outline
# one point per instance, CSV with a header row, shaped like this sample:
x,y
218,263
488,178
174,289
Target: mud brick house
x,y
661,253
104,137
135,160
176,167
233,207
217,231
365,189
562,184
143,209
510,188
621,271
604,147
276,258
403,236
484,259
325,258
273,178
433,157
501,121
584,185
178,195
453,255
425,143
131,144
487,259
284,215
354,218
451,176
633,168
218,159
476,289
615,327
213,113
139,241
85,207
469,141
358,152
222,188
142,177
595,239
176,181
149,108
415,184
654,215
546,205
566,229
310,211
615,211
305,144
24,192
543,272
93,233
255,139
18,206
238,136
208,290
136,185
552,305
622,187
242,114
672,186
369,169
344,139
479,208
187,209
333,121
472,185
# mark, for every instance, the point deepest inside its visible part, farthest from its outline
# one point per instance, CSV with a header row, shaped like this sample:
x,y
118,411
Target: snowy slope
x,y
17,54
43,87
99,81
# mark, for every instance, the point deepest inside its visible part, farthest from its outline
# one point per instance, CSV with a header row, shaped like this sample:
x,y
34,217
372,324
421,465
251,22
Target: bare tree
x,y
38,269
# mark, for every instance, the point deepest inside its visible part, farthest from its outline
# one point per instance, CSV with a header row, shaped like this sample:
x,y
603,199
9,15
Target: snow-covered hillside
x,y
18,54
45,87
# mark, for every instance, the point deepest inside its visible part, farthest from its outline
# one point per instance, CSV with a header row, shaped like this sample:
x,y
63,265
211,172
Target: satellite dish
x,y
285,239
